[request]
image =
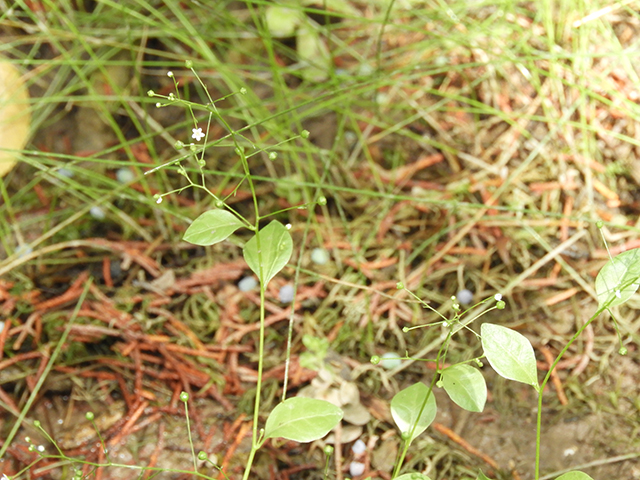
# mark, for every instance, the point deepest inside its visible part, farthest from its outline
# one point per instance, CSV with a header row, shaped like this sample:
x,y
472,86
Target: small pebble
x,y
356,469
247,283
390,360
359,447
97,213
125,175
464,296
286,294
319,256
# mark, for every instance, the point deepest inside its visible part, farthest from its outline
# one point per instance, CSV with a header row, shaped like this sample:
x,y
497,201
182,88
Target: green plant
x,y
266,253
509,353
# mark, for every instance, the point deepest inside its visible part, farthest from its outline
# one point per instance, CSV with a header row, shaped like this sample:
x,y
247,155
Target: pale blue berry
x,y
358,447
356,469
390,360
247,284
125,175
464,296
319,256
97,213
286,293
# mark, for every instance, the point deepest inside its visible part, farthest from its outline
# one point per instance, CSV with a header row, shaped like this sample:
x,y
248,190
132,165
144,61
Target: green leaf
x,y
276,245
412,476
510,354
482,476
619,278
405,410
302,419
465,385
212,227
574,476
283,21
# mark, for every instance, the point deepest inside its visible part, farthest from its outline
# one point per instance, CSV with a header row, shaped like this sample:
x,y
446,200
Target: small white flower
x,y
498,297
197,134
170,74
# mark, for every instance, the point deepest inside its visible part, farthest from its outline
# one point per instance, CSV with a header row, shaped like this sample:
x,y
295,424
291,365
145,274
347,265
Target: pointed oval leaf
x,y
405,410
465,385
212,227
15,116
413,476
276,248
302,419
619,278
510,354
576,475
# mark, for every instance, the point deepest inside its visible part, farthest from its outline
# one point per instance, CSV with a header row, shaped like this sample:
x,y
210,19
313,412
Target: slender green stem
x,y
255,443
546,380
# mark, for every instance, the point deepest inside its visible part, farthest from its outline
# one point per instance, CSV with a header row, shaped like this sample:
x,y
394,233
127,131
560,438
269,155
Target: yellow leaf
x,y
15,117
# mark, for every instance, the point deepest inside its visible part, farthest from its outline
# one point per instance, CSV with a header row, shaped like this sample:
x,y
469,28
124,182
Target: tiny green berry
x,y
184,397
405,436
375,360
500,305
599,224
439,384
32,448
179,145
243,91
623,351
328,450
202,456
36,423
304,133
219,204
89,416
158,105
273,155
405,329
188,64
322,200
151,93
399,285
202,162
